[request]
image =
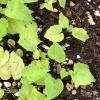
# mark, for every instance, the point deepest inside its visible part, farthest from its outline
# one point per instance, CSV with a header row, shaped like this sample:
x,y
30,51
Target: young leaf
x,y
62,3
1,93
63,73
81,75
3,27
54,34
63,21
15,26
10,67
16,66
56,52
35,71
17,7
29,38
48,5
28,92
53,87
80,34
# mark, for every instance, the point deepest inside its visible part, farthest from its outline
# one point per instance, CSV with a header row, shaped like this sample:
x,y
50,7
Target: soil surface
x,y
78,11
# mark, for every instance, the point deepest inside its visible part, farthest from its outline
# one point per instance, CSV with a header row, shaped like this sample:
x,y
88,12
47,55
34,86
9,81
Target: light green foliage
x,y
63,73
62,3
63,21
3,27
4,56
56,52
28,92
80,34
4,1
18,20
36,54
81,75
9,66
1,93
54,34
29,1
28,37
16,9
15,26
48,4
53,87
35,71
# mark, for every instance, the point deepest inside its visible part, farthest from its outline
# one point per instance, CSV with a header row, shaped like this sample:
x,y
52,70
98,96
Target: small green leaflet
x,y
56,52
35,71
81,75
63,73
53,87
10,67
29,38
54,34
62,3
28,92
1,93
16,66
3,27
17,7
36,54
80,34
48,5
63,21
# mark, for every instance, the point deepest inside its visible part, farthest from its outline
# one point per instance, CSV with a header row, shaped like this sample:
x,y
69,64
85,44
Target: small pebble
x,y
19,84
45,47
64,62
66,59
40,29
97,13
70,62
17,94
88,94
99,6
71,4
91,85
74,92
69,87
73,22
89,0
95,92
7,84
78,57
90,19
98,98
14,84
66,45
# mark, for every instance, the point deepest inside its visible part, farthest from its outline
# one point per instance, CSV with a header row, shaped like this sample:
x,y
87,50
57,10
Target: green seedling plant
x,y
38,72
48,4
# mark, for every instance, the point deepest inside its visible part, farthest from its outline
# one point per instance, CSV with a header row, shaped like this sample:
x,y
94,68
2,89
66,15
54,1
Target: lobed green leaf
x,y
56,52
81,75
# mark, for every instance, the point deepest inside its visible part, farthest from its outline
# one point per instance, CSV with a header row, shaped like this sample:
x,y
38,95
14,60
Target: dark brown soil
x,y
89,51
